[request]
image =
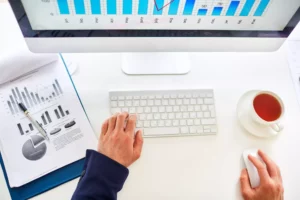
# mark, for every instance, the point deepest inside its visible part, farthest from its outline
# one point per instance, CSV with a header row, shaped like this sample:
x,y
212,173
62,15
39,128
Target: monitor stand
x,y
155,63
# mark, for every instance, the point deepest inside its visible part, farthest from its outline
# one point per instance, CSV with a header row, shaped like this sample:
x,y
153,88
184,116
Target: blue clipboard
x,y
51,180
47,182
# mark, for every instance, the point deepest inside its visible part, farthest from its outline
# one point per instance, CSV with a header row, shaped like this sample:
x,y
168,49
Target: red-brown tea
x,y
267,107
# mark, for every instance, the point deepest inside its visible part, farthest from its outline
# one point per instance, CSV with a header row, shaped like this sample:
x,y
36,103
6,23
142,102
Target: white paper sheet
x,y
294,64
52,100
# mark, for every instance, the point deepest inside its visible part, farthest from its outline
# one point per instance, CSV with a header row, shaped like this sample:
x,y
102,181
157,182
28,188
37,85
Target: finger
x,y
271,166
121,121
131,125
279,174
138,145
112,123
245,184
261,168
104,129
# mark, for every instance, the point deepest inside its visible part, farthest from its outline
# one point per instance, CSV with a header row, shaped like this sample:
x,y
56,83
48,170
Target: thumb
x,y
245,184
138,145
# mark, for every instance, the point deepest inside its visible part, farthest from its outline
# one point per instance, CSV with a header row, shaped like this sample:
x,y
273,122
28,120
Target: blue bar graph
x,y
189,6
247,7
96,8
143,7
217,11
232,8
202,12
79,7
63,7
173,9
158,8
111,7
127,7
261,7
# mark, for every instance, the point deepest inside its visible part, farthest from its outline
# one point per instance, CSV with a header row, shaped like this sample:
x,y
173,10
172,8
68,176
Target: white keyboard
x,y
168,113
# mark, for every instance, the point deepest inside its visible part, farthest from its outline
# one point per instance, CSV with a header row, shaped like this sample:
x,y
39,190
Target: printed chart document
x,y
294,64
52,100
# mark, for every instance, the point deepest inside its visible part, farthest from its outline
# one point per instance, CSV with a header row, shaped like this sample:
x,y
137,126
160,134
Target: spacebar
x,y
161,131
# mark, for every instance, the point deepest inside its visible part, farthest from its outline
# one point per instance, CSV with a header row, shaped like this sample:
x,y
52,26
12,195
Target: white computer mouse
x,y
252,171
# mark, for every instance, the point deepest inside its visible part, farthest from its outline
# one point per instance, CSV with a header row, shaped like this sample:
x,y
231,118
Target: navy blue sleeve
x,y
102,178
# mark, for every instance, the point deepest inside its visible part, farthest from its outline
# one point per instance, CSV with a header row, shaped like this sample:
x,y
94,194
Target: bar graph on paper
x,y
32,98
242,8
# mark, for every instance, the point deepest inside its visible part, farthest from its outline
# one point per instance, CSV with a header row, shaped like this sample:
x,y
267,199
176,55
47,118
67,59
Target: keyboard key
x,y
211,107
209,94
193,115
164,116
149,116
143,103
190,122
136,97
178,115
190,108
128,103
197,122
113,98
156,116
212,113
115,110
165,102
128,98
146,124
175,122
208,101
173,96
147,109
195,95
199,129
166,96
150,102
183,108
169,109
157,102
171,116
182,122
121,97
209,121
186,101
114,104
121,104
151,97
193,130
144,97
184,130
206,114
168,123
200,114
172,102
142,116
204,107
140,110
161,109
181,96
139,124
136,103
179,102
197,108
206,130
193,101
161,123
153,123
125,110
132,110
161,131
154,109
199,101
158,96
176,109
188,96
185,115
202,95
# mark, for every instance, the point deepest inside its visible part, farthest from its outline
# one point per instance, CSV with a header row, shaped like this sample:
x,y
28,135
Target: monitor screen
x,y
101,18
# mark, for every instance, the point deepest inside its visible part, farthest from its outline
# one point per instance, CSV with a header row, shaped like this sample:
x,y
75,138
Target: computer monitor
x,y
155,26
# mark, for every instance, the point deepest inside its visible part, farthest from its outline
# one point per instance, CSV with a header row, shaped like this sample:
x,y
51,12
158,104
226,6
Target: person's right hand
x,y
119,141
270,188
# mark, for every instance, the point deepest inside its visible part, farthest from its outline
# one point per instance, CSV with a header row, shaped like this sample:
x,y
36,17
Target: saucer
x,y
245,120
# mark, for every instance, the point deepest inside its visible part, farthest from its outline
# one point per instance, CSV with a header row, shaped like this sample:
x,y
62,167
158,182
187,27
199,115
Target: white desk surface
x,y
190,167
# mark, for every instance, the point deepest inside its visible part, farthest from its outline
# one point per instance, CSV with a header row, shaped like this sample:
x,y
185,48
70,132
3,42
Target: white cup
x,y
275,125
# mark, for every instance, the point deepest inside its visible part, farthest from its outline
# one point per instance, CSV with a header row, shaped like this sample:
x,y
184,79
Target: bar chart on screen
x,y
163,7
154,14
